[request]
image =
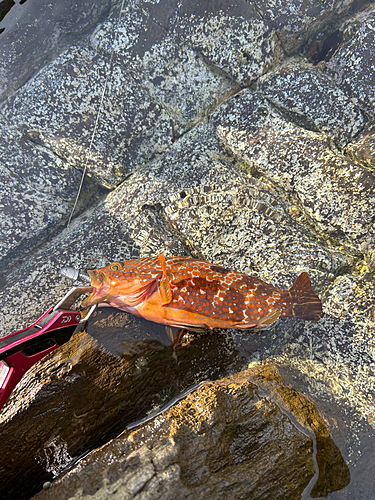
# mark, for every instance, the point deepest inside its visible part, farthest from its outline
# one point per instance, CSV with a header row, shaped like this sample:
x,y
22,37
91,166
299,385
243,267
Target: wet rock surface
x,y
203,132
218,441
95,385
157,458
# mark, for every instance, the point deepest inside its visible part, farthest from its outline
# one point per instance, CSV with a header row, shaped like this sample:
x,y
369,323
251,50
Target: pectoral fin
x,y
129,299
164,286
140,295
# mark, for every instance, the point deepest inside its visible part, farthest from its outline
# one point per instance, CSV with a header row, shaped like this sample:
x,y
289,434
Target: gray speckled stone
x,y
337,355
173,74
224,215
312,99
354,64
239,43
337,195
246,228
296,21
37,31
60,106
37,188
232,38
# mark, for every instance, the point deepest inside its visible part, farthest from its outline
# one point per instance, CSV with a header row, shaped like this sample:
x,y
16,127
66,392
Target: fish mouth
x,y
99,282
97,277
89,301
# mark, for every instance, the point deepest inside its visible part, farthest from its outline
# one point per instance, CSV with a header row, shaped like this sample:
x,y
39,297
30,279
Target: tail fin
x,y
304,303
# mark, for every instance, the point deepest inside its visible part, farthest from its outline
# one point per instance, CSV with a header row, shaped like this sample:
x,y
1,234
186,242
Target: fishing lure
x,y
189,293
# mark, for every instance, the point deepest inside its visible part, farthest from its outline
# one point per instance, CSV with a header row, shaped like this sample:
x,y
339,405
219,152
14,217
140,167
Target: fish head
x,y
117,281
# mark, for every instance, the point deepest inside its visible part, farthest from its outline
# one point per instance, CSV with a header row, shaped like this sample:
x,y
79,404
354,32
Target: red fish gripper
x,y
22,349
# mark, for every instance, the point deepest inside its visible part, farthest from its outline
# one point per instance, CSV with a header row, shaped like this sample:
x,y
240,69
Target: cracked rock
x,y
334,193
312,99
354,64
60,106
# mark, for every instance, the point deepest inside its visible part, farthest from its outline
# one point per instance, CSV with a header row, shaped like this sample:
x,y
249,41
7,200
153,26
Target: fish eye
x,y
116,266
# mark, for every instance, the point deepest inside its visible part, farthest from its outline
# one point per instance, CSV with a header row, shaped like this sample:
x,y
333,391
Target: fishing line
x,y
108,75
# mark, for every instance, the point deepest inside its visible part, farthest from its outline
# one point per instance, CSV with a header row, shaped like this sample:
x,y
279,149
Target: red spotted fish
x,y
185,292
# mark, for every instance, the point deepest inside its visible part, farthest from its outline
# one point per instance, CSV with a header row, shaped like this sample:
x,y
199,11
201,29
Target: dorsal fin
x,y
164,286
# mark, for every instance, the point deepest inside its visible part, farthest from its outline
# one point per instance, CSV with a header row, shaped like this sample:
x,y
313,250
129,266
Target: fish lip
x,y
87,302
97,277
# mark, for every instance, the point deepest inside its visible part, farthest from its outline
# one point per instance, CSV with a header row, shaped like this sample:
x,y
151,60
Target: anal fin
x,y
192,328
271,317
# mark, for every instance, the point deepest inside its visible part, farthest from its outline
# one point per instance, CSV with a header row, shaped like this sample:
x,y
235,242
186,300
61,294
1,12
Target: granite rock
x,y
312,99
231,37
337,355
35,32
62,106
296,22
336,195
354,63
174,75
37,194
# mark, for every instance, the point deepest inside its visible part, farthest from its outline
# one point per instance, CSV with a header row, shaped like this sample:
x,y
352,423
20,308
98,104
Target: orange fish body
x,y
184,292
